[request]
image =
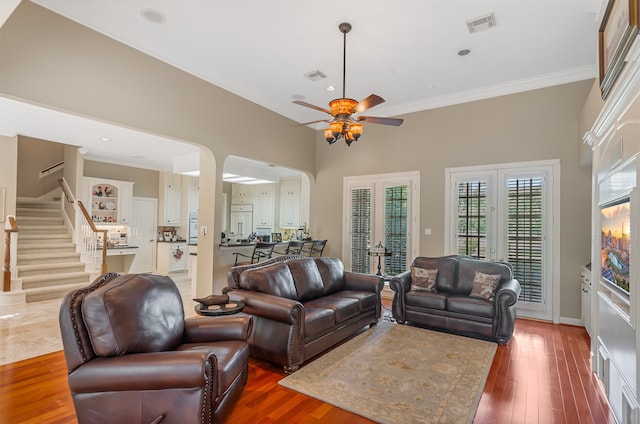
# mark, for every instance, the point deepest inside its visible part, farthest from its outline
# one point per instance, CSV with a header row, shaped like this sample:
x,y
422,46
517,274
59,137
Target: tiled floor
x,y
32,329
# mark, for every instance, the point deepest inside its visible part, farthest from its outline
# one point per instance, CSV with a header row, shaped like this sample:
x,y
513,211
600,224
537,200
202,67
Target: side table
x,y
217,310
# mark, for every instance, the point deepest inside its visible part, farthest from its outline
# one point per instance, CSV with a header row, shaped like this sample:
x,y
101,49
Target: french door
x,y
505,213
380,209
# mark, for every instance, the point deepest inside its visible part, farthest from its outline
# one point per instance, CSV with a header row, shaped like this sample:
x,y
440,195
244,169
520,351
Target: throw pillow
x,y
423,279
484,286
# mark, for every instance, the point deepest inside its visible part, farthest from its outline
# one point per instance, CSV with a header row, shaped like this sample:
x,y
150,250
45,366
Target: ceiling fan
x,y
343,123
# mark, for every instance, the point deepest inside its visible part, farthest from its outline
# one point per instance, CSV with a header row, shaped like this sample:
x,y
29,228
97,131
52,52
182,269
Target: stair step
x,y
31,212
49,268
29,202
47,258
45,247
50,280
57,292
42,229
38,239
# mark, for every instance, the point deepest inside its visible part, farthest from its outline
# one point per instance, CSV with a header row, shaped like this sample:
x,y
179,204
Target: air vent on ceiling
x,y
315,75
481,23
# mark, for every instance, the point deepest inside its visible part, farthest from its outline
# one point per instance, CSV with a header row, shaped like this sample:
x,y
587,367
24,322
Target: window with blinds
x,y
360,229
525,235
395,222
472,218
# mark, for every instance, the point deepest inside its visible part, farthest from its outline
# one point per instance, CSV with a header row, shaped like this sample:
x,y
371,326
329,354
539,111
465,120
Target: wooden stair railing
x,y
67,193
12,228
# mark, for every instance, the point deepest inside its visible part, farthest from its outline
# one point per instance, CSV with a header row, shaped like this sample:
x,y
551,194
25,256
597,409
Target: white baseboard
x,y
15,297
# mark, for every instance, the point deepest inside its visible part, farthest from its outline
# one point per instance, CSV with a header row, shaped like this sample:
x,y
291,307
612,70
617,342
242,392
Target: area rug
x,y
395,373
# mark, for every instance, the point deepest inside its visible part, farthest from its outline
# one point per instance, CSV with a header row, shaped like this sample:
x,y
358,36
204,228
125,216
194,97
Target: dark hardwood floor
x,y
542,376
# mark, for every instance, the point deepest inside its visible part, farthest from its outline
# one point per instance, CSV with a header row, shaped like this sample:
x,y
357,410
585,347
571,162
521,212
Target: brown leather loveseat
x,y
458,294
303,306
132,357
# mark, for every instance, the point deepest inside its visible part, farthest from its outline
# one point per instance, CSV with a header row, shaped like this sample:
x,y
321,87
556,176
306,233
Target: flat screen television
x,y
616,234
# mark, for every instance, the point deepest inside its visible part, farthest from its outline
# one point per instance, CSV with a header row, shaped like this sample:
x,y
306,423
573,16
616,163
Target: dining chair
x,y
263,250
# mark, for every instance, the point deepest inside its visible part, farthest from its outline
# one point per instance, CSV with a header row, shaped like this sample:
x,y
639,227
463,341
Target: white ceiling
x,y
405,51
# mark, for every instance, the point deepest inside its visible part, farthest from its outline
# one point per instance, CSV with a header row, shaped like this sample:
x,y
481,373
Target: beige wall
x,y
35,155
80,71
535,125
590,112
145,181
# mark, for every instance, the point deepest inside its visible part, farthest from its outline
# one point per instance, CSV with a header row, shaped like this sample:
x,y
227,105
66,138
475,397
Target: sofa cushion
x,y
423,279
471,306
485,285
275,279
426,299
332,272
343,307
367,300
467,270
317,322
447,271
134,313
306,278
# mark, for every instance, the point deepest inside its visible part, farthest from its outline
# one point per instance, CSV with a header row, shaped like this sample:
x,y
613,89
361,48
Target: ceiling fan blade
x,y
309,105
384,121
368,103
312,122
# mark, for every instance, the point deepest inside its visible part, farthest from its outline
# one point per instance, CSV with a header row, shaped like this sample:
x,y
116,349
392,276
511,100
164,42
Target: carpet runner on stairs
x,y
47,261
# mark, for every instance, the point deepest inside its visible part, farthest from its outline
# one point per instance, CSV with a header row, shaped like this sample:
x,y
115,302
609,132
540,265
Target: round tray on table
x,y
216,310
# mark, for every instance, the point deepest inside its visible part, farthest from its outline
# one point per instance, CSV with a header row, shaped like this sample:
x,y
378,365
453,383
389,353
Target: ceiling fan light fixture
x,y
342,123
336,128
342,106
356,131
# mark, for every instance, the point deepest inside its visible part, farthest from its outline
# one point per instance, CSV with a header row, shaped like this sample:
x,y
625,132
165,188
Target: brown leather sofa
x,y
451,307
303,306
132,357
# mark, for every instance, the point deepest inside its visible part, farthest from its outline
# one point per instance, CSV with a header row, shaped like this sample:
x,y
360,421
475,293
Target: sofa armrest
x,y
214,329
401,284
144,371
508,292
506,298
268,306
363,282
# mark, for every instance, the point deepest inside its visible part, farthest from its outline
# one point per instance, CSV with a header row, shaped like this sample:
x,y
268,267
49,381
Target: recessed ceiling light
x,y
464,52
331,88
105,139
153,16
430,86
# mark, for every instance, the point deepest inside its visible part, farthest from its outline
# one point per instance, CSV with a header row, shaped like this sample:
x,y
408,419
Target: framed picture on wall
x,y
618,29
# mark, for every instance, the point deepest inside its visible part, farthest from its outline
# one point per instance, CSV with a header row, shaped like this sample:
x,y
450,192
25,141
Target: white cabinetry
x,y
108,201
289,203
194,194
263,206
241,220
169,213
172,257
242,194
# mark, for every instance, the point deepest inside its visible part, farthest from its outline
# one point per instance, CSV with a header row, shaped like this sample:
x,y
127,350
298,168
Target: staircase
x,y
47,261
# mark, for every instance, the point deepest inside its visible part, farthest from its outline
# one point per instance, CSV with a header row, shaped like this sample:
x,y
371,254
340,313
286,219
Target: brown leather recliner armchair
x,y
132,357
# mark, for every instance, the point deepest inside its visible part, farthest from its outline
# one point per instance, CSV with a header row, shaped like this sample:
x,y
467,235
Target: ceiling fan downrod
x,y
344,29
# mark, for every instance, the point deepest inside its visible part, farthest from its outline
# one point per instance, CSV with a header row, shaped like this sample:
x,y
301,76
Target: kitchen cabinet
x,y
170,202
194,194
172,257
242,194
263,206
108,201
241,220
289,203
